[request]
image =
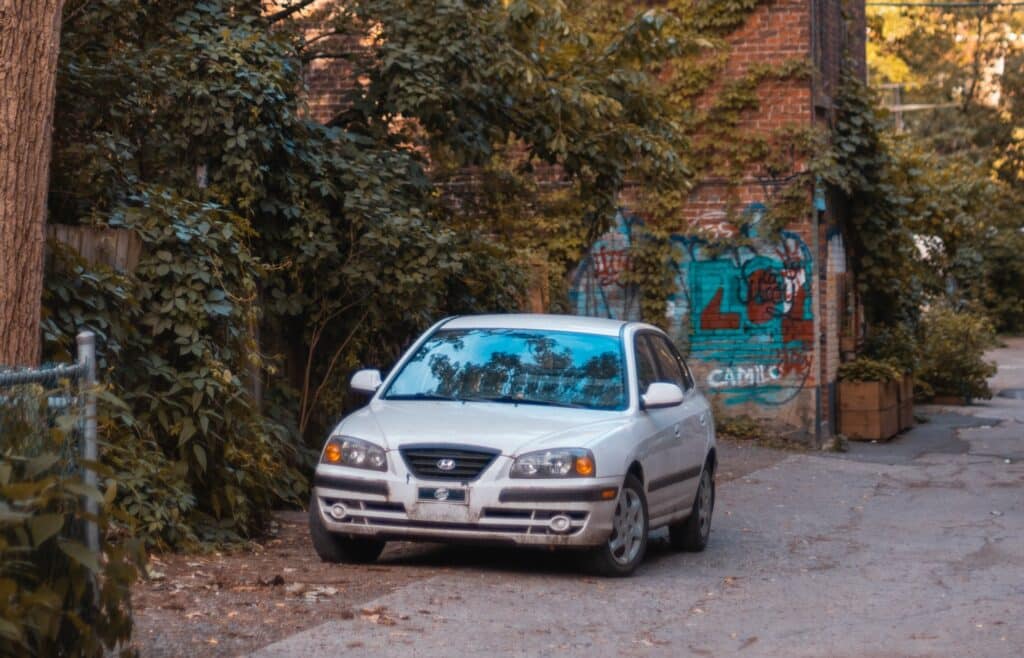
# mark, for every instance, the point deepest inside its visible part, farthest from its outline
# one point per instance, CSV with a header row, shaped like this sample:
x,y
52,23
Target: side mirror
x,y
366,381
660,395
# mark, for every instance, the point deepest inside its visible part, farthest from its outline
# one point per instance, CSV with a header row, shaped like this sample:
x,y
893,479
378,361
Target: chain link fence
x,y
35,401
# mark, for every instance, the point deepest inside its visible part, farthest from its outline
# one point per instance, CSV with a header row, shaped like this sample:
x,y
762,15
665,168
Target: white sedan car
x,y
526,429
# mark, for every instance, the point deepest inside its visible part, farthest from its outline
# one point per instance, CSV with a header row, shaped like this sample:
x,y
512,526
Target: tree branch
x,y
309,57
288,11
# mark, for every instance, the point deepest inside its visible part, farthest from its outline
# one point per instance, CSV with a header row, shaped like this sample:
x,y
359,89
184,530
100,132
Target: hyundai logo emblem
x,y
445,464
441,493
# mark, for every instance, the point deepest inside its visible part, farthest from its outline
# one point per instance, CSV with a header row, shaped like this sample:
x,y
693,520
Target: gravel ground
x,y
229,604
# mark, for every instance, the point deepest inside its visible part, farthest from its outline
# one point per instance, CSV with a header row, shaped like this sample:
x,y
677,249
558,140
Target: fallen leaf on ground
x,y
378,615
319,592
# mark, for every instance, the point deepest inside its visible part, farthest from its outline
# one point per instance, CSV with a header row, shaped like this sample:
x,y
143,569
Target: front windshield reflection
x,y
515,366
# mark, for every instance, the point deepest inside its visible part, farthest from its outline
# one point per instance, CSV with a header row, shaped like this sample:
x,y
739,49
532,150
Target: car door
x,y
691,417
657,430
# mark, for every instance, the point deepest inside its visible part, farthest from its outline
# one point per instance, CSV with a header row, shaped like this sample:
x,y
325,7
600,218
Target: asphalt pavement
x,y
913,547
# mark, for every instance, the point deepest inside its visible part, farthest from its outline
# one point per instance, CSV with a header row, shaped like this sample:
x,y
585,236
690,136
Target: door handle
x,y
676,428
703,420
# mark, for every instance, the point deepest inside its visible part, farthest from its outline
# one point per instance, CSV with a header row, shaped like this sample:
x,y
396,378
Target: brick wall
x,y
761,323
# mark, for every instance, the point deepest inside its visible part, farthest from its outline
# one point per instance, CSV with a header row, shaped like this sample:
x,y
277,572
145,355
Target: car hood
x,y
510,428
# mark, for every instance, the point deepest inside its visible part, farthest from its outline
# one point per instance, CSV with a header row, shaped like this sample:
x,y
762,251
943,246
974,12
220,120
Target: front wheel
x,y
339,548
692,533
626,546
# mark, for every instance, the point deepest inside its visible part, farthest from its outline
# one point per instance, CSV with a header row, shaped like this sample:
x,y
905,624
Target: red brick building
x,y
764,324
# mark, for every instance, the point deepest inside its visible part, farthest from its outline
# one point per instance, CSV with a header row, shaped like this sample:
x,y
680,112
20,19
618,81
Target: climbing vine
x,y
709,110
878,234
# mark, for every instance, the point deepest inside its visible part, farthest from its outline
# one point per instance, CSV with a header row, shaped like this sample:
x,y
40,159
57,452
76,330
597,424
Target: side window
x,y
646,371
669,363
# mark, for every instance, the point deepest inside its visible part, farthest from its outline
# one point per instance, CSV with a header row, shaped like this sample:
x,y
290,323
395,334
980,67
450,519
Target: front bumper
x,y
494,510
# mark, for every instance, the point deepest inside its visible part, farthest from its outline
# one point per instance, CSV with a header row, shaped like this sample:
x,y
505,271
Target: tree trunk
x,y
29,42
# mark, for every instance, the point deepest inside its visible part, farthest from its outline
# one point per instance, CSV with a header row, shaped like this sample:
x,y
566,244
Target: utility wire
x,y
945,4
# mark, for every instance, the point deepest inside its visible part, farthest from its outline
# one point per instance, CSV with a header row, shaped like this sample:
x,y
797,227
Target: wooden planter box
x,y
869,411
906,402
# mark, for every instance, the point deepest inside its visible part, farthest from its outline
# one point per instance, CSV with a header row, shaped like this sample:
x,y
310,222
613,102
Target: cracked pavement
x,y
909,548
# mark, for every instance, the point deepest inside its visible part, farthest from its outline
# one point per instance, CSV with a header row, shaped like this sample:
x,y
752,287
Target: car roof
x,y
540,321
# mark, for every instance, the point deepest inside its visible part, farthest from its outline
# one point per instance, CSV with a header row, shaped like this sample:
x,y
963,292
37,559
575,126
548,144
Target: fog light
x,y
560,523
338,511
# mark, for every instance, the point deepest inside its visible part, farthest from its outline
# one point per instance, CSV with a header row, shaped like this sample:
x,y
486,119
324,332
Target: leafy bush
x,y
863,369
196,460
953,352
894,344
738,427
57,597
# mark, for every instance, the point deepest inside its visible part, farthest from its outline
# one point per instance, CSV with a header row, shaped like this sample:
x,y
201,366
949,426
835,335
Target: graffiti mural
x,y
597,289
746,312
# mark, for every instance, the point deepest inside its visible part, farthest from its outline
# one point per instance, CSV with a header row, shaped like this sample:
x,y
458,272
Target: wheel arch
x,y
637,470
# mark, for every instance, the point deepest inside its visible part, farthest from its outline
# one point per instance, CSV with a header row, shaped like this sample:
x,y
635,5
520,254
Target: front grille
x,y
469,462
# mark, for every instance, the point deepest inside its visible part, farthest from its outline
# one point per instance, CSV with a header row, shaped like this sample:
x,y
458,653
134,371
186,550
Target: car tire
x,y
692,533
339,549
622,553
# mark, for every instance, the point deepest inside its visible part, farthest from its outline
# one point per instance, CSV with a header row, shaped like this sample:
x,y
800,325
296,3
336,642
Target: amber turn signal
x,y
332,453
608,494
584,466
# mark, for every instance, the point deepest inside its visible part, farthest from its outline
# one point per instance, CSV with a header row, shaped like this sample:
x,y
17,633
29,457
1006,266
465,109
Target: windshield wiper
x,y
422,396
515,400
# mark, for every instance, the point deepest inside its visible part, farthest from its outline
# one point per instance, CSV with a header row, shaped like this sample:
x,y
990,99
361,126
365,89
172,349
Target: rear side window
x,y
670,364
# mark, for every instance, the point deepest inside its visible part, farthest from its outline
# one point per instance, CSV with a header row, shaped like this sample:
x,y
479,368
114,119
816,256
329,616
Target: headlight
x,y
558,463
346,451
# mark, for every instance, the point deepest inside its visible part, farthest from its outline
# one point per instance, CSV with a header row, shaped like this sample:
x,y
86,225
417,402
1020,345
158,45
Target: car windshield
x,y
515,366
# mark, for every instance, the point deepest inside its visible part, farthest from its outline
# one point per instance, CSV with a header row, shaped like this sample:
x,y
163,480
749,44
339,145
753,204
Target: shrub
x,y
737,427
953,353
863,369
196,460
57,597
894,344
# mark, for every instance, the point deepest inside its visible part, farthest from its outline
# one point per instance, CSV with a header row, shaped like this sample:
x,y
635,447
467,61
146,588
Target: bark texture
x,y
29,43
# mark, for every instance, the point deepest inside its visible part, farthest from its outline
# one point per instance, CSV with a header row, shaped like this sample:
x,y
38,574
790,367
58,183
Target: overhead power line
x,y
950,5
944,4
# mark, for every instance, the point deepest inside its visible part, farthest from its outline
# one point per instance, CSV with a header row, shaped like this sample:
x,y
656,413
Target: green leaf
x,y
45,526
200,453
111,492
10,631
188,430
8,516
82,489
39,465
80,554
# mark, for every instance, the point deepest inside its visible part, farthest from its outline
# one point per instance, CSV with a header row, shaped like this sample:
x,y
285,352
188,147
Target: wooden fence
x,y
118,248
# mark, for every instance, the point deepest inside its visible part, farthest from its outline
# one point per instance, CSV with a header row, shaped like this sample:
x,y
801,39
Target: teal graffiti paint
x,y
747,312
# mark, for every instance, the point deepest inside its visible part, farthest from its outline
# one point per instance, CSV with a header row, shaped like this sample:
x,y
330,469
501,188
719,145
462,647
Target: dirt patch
x,y
230,604
740,457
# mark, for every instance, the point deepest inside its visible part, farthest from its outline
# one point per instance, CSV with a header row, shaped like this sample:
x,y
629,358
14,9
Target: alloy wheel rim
x,y
627,527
